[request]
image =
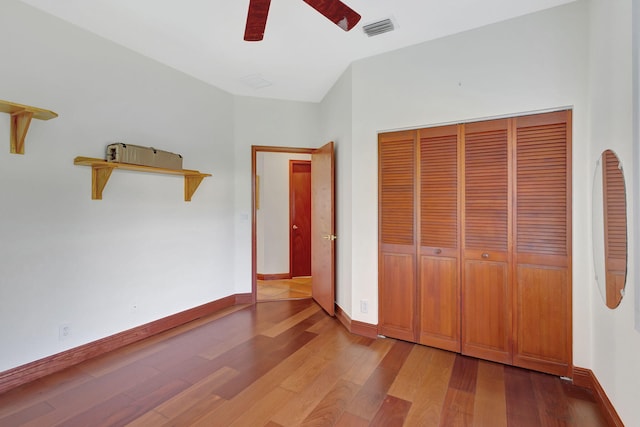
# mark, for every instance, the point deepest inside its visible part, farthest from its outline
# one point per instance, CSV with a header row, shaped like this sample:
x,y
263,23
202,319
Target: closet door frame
x,y
522,272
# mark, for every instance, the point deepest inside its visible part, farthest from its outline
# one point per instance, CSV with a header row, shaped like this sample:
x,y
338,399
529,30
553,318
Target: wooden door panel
x,y
542,342
396,235
439,303
323,227
397,296
542,242
439,229
300,217
486,284
486,319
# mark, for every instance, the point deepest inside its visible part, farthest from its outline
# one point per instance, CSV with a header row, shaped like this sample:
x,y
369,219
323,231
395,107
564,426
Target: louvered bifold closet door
x,y
486,290
615,228
397,228
439,251
542,246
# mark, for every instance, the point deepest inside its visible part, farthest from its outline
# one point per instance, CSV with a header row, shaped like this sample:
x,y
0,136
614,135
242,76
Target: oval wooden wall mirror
x,y
610,228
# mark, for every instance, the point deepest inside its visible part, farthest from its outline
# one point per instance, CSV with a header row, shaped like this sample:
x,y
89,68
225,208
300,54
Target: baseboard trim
x,y
355,326
586,378
40,368
277,276
244,298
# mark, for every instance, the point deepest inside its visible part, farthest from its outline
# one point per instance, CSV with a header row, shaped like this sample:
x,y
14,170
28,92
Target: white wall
x,y
272,219
267,122
140,254
616,344
336,124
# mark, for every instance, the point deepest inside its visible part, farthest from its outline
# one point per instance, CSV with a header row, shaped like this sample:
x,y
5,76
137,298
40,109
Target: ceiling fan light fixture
x,y
378,27
335,11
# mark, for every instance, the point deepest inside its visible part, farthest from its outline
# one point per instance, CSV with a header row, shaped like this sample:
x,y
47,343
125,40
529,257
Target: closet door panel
x,y
439,280
541,301
397,296
542,242
440,295
486,321
397,231
486,283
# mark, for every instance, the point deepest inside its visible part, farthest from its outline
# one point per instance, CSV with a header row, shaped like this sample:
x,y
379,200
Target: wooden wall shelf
x,y
21,116
101,171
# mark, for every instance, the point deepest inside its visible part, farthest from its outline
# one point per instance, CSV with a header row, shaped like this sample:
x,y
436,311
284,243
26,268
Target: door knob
x,y
295,227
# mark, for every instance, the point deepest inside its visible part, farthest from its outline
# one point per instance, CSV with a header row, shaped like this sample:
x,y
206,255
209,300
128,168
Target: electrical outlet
x,y
64,331
364,306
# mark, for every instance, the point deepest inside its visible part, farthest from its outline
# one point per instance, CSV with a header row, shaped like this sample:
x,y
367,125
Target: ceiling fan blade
x,y
256,20
337,12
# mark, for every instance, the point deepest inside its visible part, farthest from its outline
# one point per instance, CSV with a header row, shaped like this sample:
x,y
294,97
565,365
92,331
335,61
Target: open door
x,y
323,227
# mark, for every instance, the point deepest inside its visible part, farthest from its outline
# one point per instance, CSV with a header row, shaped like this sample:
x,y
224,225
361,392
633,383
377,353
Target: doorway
x,y
322,225
282,223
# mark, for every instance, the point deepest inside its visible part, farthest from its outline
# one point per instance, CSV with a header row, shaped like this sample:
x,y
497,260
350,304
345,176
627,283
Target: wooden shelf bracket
x,y
191,184
101,172
21,116
99,178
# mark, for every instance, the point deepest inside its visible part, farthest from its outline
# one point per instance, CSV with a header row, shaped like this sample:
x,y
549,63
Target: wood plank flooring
x,y
276,290
288,364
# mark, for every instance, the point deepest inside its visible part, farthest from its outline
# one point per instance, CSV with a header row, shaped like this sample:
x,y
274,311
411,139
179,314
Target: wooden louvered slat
x,y
486,190
397,191
541,188
439,190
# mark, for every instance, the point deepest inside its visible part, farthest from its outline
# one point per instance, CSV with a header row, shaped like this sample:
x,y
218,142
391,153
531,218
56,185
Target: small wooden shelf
x,y
101,171
21,116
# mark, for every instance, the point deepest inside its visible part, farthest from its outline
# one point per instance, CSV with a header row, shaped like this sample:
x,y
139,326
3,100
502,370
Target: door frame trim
x,y
255,149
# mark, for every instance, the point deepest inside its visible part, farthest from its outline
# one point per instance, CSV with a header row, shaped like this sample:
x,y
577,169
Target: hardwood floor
x,y
288,364
276,290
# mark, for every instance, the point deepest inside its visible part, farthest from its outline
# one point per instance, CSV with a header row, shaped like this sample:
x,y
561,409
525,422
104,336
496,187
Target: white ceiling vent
x,y
379,27
255,81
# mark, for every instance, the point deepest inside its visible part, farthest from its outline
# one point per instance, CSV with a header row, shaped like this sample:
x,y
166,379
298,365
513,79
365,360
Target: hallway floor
x,y
275,290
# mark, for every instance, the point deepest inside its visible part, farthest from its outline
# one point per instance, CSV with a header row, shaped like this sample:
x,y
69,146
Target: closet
x,y
475,239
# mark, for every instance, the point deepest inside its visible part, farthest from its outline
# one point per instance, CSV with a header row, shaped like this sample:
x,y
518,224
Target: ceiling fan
x,y
334,10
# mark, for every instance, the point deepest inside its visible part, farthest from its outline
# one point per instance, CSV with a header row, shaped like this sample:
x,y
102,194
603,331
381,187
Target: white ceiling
x,y
302,54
